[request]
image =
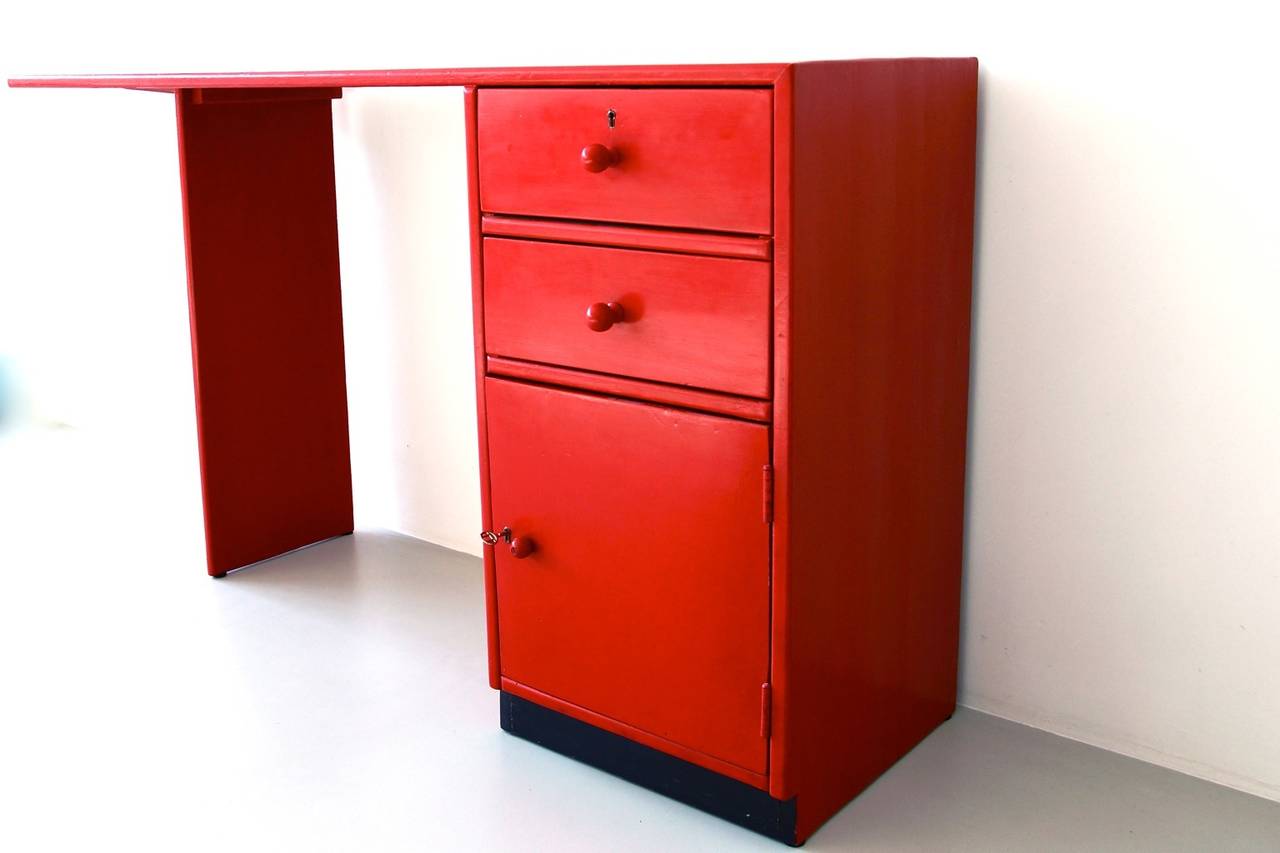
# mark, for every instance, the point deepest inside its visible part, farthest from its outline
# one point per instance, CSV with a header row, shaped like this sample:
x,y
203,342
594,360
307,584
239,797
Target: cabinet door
x,y
646,599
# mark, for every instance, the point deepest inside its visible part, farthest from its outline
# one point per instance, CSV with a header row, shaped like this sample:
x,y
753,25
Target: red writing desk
x,y
722,347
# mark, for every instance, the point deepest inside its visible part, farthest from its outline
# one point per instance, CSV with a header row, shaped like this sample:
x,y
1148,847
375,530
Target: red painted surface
x,y
783,150
603,316
597,157
688,320
672,575
761,74
228,96
522,546
266,325
647,600
628,237
636,389
688,158
872,388
477,319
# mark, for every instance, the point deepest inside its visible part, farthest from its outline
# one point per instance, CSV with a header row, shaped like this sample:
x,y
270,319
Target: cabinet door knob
x,y
522,546
597,157
602,315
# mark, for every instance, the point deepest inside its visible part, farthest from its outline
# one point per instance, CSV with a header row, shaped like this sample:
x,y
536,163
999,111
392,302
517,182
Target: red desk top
x,y
616,75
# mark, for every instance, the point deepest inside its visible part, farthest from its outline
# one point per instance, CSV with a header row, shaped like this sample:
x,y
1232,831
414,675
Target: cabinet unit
x,y
722,352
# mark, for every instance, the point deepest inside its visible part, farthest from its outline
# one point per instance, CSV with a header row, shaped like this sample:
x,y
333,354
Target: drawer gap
x,y
713,243
671,396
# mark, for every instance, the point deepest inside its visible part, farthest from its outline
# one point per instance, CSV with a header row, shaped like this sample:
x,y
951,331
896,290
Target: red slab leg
x,y
266,321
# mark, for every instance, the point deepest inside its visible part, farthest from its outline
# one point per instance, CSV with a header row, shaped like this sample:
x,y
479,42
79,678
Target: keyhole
x,y
613,117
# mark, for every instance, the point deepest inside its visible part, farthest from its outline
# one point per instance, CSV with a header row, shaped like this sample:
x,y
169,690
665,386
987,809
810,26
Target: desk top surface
x,y
615,75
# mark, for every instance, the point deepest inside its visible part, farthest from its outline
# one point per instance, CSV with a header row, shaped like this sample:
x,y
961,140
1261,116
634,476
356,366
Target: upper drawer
x,y
685,320
690,158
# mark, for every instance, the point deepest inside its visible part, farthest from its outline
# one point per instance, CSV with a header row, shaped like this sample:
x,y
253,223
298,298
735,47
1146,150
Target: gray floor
x,y
335,699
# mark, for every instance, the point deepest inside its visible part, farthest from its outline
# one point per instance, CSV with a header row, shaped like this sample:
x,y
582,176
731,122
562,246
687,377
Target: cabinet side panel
x,y
482,422
879,271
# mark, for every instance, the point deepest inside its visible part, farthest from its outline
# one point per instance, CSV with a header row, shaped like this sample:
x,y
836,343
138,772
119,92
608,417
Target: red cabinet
x,y
722,341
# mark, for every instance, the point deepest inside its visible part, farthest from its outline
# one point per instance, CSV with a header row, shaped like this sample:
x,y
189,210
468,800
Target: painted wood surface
x,y
757,74
702,322
266,325
687,158
478,351
635,389
628,237
647,598
874,259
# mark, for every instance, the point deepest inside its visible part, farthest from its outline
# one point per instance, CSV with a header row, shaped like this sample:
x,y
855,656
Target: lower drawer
x,y
685,319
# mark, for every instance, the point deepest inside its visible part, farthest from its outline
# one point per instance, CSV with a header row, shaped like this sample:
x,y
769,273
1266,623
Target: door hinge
x,y
766,708
768,494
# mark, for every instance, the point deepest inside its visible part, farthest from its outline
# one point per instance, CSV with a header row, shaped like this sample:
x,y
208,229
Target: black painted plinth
x,y
681,780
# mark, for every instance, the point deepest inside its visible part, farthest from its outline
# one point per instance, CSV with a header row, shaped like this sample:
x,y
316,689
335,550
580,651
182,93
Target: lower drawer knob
x,y
602,315
522,546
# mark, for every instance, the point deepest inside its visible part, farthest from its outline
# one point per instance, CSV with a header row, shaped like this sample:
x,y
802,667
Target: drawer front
x,y
646,596
686,320
689,158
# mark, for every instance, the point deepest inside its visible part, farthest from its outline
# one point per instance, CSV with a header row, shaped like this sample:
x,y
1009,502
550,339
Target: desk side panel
x,y
873,388
266,324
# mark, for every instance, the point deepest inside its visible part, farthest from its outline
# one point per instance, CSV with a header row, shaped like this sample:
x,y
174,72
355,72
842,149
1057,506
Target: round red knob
x,y
597,157
522,546
602,315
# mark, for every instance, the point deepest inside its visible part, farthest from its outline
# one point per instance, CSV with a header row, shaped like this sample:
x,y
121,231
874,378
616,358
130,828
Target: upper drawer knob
x,y
602,315
597,157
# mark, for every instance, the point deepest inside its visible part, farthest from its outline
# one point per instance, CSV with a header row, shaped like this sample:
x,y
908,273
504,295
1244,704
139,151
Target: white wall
x,y
400,160
1123,578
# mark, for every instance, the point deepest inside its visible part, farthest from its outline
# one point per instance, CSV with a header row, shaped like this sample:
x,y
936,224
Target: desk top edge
x,y
639,75
761,74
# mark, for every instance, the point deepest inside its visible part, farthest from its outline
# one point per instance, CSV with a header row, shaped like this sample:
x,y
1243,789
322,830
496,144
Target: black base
x,y
696,786
219,576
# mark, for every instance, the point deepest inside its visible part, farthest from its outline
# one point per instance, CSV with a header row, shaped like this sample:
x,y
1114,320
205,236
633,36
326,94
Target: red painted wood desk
x,y
722,343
